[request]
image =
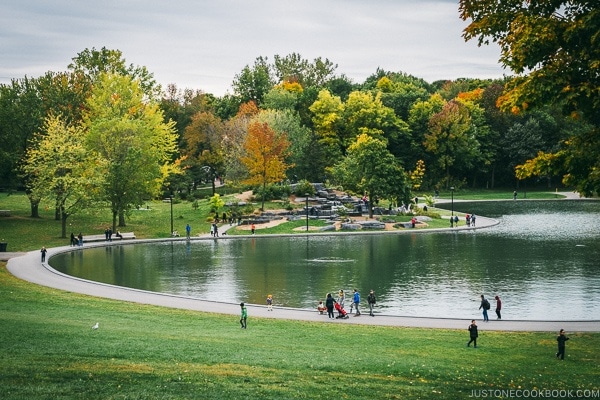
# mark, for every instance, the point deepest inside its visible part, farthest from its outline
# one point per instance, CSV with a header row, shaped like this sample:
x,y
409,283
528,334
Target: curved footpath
x,y
27,266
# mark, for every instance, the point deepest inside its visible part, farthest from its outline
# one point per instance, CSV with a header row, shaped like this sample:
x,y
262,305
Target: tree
x,y
94,63
287,122
252,84
448,136
554,47
327,120
265,156
131,136
370,168
58,166
294,68
203,147
364,112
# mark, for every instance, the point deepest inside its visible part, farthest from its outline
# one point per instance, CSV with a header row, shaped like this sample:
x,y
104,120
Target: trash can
x,y
3,246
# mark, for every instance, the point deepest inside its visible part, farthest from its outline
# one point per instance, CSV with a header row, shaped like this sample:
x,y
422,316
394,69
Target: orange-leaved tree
x,y
265,156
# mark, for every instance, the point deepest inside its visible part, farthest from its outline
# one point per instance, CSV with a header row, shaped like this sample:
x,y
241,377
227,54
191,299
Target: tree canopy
x,y
554,48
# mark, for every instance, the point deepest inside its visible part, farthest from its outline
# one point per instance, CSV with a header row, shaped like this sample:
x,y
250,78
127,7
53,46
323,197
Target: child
x,y
561,339
321,308
270,302
244,315
473,333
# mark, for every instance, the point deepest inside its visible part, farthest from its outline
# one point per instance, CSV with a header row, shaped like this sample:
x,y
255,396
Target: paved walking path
x,y
27,266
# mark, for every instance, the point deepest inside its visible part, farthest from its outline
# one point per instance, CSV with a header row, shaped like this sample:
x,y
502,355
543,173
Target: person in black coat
x,y
561,339
329,304
473,333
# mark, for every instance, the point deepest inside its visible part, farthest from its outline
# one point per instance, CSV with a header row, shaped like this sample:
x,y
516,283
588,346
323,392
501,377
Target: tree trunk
x,y
121,219
114,221
63,220
35,209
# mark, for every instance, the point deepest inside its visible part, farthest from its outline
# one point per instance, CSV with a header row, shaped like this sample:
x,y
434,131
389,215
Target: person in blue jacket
x,y
356,301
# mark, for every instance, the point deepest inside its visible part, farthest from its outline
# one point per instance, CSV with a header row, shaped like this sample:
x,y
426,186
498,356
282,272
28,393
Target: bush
x,y
304,187
272,192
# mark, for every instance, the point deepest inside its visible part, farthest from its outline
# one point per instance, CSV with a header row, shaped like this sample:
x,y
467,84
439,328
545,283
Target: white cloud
x,y
203,44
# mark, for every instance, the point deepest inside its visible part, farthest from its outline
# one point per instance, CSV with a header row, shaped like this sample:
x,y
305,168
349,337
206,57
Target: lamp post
x,y
452,190
306,196
171,198
452,207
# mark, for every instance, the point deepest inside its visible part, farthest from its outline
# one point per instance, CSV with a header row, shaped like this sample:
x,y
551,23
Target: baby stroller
x,y
341,312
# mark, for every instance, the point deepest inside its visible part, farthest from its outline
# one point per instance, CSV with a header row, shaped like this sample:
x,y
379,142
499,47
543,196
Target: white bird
x,y
96,326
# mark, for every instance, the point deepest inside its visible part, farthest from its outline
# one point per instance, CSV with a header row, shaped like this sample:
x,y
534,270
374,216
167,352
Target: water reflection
x,y
540,260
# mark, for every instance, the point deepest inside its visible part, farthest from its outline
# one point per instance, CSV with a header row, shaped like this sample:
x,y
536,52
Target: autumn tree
x,y
129,134
370,168
60,168
554,48
265,156
328,124
203,147
364,112
287,122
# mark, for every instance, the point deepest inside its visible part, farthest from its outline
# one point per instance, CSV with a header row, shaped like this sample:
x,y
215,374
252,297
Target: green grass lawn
x,y
49,351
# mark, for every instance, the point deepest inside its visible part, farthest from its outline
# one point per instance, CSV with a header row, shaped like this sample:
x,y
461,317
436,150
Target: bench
x,y
4,213
102,238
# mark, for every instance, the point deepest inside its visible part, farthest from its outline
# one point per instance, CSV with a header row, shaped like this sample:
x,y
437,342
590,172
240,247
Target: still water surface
x,y
542,260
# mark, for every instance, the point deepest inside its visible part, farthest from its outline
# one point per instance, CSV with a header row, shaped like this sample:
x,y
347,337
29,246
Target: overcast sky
x,y
203,44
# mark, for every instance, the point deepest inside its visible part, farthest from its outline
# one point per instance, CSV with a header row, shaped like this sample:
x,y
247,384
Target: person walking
x,y
473,334
244,316
473,220
485,304
329,304
561,339
252,228
270,302
356,302
188,231
43,251
372,300
498,306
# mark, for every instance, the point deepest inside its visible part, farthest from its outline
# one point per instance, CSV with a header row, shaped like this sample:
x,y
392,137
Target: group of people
x,y
470,219
339,302
485,306
76,240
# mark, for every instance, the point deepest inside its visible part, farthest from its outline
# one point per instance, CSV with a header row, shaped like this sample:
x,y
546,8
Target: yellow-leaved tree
x,y
265,152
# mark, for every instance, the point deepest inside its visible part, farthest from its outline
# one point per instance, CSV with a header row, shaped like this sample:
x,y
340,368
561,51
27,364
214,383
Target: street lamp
x,y
452,207
306,196
171,198
452,190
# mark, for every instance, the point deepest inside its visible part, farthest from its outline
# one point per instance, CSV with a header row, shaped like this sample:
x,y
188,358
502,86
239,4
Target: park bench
x,y
102,237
